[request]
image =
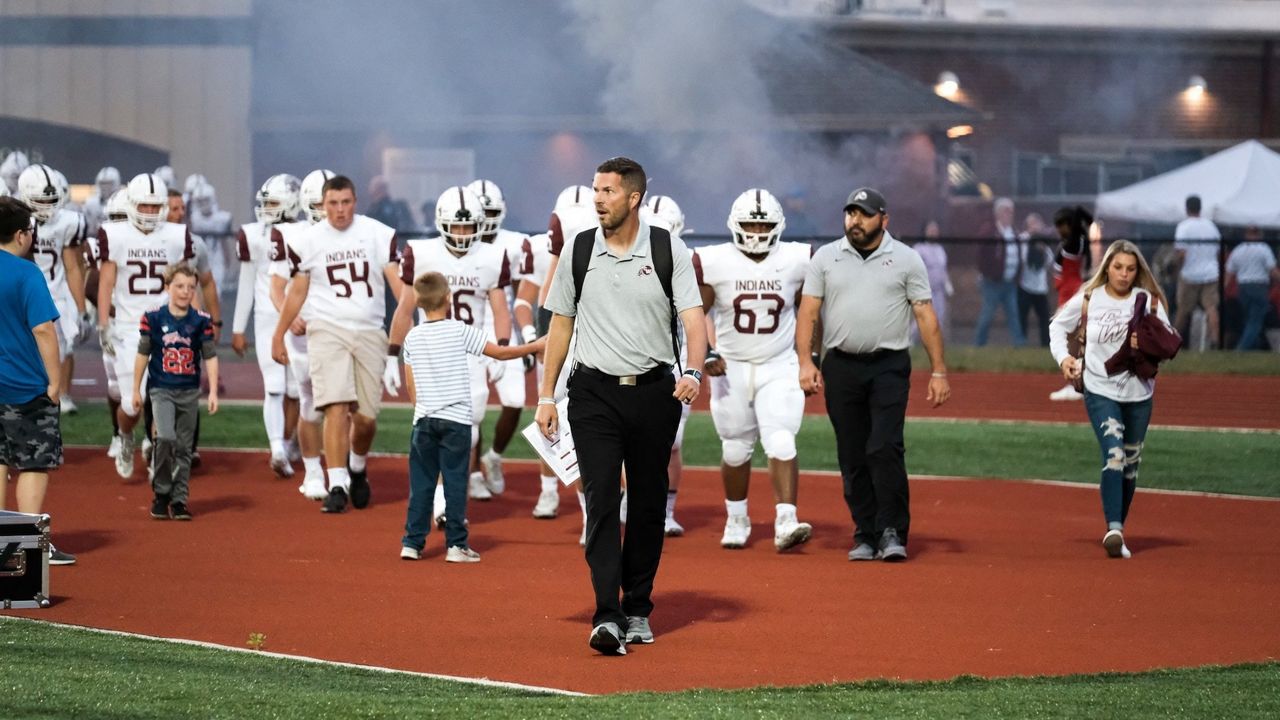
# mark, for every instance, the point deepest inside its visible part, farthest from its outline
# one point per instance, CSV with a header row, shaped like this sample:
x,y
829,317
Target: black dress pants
x,y
614,424
867,403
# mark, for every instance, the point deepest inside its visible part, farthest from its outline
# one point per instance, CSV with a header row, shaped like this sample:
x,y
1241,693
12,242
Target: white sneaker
x,y
67,406
280,465
1066,393
1113,543
737,528
789,533
147,448
114,449
313,487
476,489
460,554
124,459
491,464
408,553
672,528
438,506
548,504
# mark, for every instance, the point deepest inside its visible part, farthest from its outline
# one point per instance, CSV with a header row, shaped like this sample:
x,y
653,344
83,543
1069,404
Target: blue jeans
x,y
1121,428
437,448
1253,296
1000,293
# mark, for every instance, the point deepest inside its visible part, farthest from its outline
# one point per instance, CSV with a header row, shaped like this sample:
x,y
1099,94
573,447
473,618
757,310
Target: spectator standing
x,y
865,288
934,256
1196,242
1033,281
1252,265
1000,264
30,431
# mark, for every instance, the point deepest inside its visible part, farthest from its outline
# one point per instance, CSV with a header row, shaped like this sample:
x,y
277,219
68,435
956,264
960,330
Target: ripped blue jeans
x,y
1121,428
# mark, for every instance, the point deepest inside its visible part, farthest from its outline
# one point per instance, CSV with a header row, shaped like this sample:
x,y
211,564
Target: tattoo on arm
x,y
920,303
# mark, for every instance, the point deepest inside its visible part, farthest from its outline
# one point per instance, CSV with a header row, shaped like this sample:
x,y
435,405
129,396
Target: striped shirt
x,y
436,353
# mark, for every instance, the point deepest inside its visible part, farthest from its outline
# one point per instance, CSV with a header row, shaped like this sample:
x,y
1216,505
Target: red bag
x,y
1076,343
1156,342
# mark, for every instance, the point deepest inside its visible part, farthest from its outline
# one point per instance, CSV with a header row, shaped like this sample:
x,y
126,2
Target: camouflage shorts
x,y
30,435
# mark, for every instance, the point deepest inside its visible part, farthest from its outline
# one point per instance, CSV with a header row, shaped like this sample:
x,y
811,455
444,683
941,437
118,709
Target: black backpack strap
x,y
583,244
660,246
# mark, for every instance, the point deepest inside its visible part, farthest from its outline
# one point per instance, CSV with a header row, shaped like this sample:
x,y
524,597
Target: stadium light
x,y
1196,87
948,84
959,131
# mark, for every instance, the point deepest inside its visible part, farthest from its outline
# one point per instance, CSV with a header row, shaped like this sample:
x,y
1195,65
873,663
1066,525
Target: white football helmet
x,y
191,182
495,206
38,187
756,206
147,189
64,187
278,199
165,173
117,206
12,167
458,208
576,196
576,210
665,211
204,197
311,194
108,181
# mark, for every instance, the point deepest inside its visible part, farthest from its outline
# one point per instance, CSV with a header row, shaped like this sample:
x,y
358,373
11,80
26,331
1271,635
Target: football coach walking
x,y
867,286
624,399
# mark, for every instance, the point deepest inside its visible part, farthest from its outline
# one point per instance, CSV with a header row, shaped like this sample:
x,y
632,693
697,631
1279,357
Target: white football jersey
x,y
260,245
512,244
471,277
214,225
535,259
755,308
141,260
95,214
65,229
348,286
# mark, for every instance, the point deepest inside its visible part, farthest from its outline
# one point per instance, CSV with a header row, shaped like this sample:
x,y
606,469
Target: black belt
x,y
651,375
865,357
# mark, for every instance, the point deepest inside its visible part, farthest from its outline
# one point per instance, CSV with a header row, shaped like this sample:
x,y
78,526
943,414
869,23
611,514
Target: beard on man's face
x,y
861,239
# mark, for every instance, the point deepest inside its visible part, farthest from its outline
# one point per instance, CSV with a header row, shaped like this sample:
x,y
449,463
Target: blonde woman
x,y
1119,405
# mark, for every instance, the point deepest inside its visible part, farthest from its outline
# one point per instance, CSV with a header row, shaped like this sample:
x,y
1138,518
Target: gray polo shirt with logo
x,y
623,317
866,303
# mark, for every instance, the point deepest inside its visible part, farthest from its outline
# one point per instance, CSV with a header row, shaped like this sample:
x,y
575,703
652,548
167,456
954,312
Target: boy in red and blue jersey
x,y
175,337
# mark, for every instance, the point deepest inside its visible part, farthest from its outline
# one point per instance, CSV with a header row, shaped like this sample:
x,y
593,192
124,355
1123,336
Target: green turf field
x,y
1228,462
56,672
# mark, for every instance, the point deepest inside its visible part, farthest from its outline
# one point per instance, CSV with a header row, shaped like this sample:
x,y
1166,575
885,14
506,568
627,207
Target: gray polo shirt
x,y
623,318
866,304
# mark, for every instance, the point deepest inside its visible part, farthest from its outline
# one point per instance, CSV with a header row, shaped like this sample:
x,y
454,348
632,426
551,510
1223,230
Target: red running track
x,y
1006,578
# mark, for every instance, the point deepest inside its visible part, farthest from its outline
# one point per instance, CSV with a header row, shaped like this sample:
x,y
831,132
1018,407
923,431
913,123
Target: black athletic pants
x,y
867,404
614,424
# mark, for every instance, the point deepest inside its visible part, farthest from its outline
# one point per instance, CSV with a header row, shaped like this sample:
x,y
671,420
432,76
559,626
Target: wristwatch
x,y
695,374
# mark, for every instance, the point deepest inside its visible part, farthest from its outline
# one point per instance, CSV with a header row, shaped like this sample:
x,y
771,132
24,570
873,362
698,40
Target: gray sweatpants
x,y
175,413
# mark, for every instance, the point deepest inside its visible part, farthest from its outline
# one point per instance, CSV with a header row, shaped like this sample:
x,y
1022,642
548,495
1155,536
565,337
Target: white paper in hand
x,y
559,453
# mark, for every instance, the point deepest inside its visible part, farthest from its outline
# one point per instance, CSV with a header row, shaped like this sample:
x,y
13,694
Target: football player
x,y
343,267
106,184
311,206
753,285
11,168
507,376
214,225
132,257
59,241
478,274
258,244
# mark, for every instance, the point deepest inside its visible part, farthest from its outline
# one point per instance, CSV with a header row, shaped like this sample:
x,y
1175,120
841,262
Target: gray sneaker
x,y
862,551
638,630
891,548
57,557
606,638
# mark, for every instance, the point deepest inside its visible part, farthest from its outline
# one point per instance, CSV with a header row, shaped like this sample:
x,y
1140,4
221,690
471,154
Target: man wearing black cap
x,y
866,287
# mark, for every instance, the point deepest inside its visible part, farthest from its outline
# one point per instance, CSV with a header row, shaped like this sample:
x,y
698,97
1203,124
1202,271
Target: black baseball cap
x,y
868,199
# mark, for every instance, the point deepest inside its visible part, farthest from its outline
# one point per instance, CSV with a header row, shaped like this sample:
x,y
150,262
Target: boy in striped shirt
x,y
435,355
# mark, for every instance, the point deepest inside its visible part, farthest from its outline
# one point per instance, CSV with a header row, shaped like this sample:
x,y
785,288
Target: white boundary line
x,y
484,682
833,474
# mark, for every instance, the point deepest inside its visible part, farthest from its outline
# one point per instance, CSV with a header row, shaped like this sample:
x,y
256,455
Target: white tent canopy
x,y
1237,186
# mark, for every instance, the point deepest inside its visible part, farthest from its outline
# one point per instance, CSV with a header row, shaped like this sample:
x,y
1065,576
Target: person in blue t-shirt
x,y
174,339
30,373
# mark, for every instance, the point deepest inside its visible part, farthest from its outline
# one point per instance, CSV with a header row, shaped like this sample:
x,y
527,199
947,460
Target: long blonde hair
x,y
1144,280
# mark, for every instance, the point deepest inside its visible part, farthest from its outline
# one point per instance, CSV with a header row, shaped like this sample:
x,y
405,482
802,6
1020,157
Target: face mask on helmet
x,y
278,199
38,187
311,194
495,206
148,202
459,218
666,212
117,207
760,210
108,181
